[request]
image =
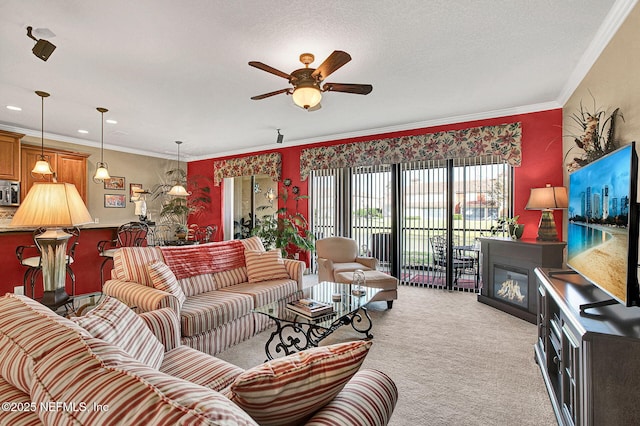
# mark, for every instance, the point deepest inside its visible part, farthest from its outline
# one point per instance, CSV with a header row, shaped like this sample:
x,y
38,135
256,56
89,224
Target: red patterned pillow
x,y
265,265
163,278
115,323
287,390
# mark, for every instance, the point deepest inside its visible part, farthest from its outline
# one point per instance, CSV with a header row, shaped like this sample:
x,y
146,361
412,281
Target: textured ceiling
x,y
177,70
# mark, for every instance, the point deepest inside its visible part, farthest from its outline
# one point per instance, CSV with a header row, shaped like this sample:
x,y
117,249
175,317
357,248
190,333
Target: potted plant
x,y
285,230
176,210
512,226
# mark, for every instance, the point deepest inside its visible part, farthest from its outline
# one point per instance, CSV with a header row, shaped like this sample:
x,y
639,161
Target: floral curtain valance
x,y
503,140
264,164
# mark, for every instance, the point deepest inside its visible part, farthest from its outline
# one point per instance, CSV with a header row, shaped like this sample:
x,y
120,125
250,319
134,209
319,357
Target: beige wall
x,y
147,171
614,81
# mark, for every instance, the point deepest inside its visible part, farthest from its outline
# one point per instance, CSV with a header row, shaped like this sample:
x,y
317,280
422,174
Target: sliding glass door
x,y
397,212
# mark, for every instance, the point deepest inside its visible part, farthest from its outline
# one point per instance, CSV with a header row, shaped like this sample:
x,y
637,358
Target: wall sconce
x,y
548,199
280,137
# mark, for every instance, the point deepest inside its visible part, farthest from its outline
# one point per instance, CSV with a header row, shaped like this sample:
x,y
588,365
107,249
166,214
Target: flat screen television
x,y
602,237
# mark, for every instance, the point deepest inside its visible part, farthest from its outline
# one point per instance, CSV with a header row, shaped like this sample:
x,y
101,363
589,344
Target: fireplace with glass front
x,y
508,281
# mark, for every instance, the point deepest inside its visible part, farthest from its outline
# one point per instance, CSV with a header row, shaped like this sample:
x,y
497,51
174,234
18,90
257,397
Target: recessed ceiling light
x,y
84,132
14,108
111,121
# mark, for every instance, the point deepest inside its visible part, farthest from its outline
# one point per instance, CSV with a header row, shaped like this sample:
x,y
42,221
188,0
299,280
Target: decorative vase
x,y
516,231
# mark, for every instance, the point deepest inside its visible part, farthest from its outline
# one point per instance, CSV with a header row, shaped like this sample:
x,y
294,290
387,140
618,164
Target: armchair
x,y
340,254
338,258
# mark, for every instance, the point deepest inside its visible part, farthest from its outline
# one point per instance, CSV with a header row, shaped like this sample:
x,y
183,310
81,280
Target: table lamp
x,y
547,199
53,206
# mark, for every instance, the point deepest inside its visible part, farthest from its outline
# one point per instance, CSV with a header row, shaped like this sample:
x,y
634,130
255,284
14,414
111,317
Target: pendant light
x,y
42,167
178,190
102,173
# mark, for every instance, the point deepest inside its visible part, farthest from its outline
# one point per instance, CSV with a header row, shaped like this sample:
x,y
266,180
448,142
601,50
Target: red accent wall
x,y
86,264
541,164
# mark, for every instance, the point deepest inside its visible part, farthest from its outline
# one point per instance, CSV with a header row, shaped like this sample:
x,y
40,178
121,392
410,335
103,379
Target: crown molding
x,y
605,33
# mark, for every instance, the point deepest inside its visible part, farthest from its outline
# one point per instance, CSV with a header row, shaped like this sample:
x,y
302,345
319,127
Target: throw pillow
x,y
265,265
115,323
163,278
288,390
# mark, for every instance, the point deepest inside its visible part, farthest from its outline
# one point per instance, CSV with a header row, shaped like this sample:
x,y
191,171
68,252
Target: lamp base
x,y
547,227
56,298
53,249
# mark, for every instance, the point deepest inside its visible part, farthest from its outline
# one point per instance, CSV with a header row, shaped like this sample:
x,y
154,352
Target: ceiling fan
x,y
306,90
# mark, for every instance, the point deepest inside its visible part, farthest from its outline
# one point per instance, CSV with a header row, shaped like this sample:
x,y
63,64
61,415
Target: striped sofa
x,y
53,371
216,310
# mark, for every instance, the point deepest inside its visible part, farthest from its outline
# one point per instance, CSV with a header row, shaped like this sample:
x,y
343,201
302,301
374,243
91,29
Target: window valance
x,y
264,164
503,140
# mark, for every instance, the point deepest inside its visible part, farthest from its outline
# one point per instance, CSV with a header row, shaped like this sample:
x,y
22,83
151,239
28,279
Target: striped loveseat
x,y
57,371
218,285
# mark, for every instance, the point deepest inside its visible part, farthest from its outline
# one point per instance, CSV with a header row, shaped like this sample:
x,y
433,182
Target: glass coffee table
x,y
295,332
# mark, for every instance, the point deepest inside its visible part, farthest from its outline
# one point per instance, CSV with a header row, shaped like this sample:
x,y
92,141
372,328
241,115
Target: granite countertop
x,y
6,227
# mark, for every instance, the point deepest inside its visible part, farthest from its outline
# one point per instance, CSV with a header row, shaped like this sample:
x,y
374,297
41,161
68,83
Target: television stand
x,y
589,363
599,304
553,273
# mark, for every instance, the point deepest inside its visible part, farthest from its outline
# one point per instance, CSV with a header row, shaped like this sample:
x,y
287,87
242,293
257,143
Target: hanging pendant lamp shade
x,y
42,166
101,168
178,190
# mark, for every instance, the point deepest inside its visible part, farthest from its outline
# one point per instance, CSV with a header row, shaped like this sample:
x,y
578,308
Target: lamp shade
x,y
102,173
178,191
42,167
548,198
52,205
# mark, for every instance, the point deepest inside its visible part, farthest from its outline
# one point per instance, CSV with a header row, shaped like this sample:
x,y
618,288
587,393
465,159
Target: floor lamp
x,y
547,199
53,206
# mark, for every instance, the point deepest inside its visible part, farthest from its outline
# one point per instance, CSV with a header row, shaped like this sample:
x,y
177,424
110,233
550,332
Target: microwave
x,y
9,193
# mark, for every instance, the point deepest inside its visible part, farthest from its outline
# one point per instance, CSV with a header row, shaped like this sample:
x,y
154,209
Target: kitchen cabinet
x,y
10,155
69,167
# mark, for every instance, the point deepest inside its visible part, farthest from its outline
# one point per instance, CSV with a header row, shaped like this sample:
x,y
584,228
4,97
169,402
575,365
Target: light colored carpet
x,y
455,361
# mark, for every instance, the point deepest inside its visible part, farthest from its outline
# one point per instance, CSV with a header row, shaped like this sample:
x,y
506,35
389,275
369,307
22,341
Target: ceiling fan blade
x,y
358,89
267,68
266,95
337,59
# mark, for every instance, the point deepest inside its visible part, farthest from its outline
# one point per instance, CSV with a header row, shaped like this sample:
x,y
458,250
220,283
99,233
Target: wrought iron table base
x,y
291,337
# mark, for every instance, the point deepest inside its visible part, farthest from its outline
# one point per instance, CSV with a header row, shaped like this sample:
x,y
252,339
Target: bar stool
x,y
132,234
30,256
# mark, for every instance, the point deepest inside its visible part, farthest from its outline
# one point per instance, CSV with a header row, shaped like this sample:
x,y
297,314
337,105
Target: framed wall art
x,y
116,182
114,201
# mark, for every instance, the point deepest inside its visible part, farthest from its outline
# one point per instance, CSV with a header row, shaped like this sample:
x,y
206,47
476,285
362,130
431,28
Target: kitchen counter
x,y
5,227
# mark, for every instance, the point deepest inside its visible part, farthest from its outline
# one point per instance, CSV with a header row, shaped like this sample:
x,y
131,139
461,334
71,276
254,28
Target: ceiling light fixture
x,y
178,190
307,94
102,173
43,48
84,132
280,137
111,121
42,167
14,108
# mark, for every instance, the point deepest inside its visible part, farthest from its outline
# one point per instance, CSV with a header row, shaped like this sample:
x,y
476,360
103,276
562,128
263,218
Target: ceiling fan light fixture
x,y
307,96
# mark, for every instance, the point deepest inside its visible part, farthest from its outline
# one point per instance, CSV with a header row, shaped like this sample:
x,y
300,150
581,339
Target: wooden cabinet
x,y
10,155
590,360
69,167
